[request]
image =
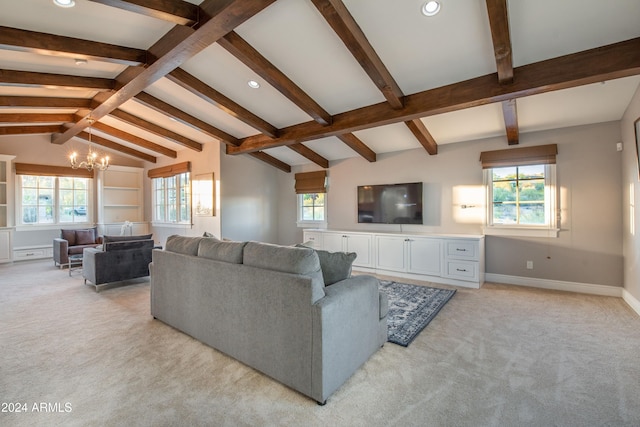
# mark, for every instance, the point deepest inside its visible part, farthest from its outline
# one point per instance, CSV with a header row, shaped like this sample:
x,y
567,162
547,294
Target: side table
x,y
75,262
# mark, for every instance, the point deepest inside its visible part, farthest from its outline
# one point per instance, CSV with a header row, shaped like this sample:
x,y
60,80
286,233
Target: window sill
x,y
312,224
521,231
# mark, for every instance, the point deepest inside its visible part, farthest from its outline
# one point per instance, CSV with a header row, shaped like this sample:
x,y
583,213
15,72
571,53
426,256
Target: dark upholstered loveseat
x,y
120,258
73,242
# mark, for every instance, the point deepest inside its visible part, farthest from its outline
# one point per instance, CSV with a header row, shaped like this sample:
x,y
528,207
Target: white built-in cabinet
x,y
450,259
6,208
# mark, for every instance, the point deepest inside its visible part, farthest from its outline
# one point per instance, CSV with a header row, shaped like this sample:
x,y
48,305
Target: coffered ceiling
x,y
338,78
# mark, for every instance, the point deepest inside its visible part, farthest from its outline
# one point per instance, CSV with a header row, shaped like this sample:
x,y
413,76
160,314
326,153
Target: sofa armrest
x,y
346,331
60,251
90,260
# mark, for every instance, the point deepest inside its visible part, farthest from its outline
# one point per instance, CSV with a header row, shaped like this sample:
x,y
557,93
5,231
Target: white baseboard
x,y
558,285
631,300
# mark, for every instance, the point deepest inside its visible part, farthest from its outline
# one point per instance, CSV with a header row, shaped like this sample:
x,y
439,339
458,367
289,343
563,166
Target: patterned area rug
x,y
411,308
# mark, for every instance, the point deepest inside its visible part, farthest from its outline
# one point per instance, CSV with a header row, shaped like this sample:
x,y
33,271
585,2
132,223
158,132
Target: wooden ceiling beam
x,y
421,133
499,22
44,102
250,57
591,66
173,49
171,111
155,129
177,12
345,26
510,113
310,154
212,96
261,155
55,45
136,140
35,118
358,146
33,79
29,130
107,143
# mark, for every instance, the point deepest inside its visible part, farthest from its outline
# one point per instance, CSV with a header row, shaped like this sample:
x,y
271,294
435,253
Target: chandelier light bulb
x,y
431,8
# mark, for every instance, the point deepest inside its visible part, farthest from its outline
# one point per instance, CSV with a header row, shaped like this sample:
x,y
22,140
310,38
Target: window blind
x,y
539,155
311,182
171,170
46,170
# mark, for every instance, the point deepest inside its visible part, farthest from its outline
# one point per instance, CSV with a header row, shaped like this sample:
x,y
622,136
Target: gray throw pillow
x,y
85,237
336,266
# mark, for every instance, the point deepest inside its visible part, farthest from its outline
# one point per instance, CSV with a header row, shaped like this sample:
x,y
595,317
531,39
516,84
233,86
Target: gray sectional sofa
x,y
268,306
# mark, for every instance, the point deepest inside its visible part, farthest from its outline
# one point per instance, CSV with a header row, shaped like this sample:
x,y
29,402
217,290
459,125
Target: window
x,y
312,207
172,198
311,188
521,197
521,191
53,200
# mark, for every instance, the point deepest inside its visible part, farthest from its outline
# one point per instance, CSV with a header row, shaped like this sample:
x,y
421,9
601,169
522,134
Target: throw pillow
x,y
69,236
85,237
336,266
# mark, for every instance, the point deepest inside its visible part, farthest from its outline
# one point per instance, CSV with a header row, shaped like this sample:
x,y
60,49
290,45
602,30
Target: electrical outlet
x,y
529,265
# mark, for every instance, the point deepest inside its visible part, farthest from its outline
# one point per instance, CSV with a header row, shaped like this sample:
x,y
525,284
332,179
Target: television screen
x,y
390,203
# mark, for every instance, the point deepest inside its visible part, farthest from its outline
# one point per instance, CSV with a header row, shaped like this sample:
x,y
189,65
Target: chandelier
x,y
92,161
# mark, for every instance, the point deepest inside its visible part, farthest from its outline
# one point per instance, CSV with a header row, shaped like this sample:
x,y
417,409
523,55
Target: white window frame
x,y
549,229
309,223
56,224
166,206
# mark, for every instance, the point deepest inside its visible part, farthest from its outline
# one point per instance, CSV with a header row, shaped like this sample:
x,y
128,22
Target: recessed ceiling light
x,y
253,84
64,3
431,8
80,61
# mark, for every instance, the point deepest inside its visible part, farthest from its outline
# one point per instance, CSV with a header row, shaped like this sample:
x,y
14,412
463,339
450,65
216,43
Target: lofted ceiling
x,y
338,78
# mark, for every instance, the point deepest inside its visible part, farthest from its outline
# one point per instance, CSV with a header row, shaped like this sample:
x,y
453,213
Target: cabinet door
x,y
361,245
333,242
5,245
391,253
425,256
314,238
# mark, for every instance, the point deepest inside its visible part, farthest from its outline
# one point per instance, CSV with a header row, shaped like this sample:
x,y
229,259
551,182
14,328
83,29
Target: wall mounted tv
x,y
390,203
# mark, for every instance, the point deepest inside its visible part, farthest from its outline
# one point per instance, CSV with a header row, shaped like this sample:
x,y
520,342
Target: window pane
x,y
504,191
532,190
504,173
307,214
65,182
318,214
29,214
505,213
534,171
532,213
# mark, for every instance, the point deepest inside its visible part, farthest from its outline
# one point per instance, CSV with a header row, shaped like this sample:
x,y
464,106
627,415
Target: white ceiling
x,y
420,52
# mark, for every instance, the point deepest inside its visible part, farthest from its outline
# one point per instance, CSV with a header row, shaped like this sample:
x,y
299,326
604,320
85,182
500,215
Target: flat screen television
x,y
390,203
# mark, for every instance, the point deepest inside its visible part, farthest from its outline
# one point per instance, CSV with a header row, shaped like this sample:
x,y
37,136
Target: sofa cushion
x,y
287,259
85,237
221,251
336,266
69,236
183,244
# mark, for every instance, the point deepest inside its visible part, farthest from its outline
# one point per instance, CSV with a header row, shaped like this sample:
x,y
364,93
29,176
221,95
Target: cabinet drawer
x,y
35,253
462,249
463,270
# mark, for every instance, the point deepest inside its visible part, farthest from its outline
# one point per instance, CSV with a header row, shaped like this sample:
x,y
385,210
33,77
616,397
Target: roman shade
x,y
541,154
171,170
46,170
311,182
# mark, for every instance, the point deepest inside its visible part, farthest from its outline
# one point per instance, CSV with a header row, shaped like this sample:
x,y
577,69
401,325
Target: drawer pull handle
x,y
460,269
461,250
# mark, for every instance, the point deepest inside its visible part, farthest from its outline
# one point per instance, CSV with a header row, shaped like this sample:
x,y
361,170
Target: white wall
x,y
589,249
631,199
249,192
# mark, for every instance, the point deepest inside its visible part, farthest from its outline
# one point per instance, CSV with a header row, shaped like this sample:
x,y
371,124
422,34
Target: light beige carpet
x,y
498,356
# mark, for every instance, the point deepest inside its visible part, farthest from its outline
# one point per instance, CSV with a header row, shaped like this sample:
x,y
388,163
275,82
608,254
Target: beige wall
x,y
589,249
631,200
